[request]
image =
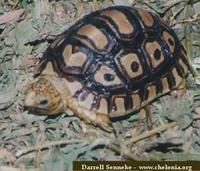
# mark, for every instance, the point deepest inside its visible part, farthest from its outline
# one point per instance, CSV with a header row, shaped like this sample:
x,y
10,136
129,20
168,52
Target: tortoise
x,y
109,64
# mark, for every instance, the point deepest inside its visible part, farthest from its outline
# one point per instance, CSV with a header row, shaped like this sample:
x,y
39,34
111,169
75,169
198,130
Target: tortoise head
x,y
44,96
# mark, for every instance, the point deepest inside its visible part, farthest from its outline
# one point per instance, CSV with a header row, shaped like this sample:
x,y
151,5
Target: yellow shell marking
x,y
154,51
77,59
165,85
67,52
57,41
99,76
151,92
119,107
176,76
94,34
124,26
169,40
146,17
183,65
103,106
127,61
73,59
136,100
119,102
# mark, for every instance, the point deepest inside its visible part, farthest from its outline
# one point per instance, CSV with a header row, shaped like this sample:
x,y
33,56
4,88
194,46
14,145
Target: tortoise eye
x,y
43,102
109,77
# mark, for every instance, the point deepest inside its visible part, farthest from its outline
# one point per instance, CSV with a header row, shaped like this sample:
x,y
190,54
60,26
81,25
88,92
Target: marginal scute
x,y
127,61
136,100
103,106
123,24
151,49
183,65
183,52
118,107
165,85
58,41
92,33
151,92
169,40
146,17
177,78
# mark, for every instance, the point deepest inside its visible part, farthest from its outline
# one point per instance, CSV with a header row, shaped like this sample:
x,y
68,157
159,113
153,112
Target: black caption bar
x,y
136,166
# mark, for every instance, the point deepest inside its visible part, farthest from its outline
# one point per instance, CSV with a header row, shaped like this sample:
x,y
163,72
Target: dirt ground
x,y
33,143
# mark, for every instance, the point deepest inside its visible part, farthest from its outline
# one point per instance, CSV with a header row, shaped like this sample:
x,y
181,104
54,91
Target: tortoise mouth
x,y
52,110
35,110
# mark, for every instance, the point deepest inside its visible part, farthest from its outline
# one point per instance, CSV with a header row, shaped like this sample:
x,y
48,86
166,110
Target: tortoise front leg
x,y
90,116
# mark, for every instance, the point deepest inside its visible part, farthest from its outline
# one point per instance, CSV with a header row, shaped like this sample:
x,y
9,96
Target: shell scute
x,y
146,17
93,37
129,63
155,54
118,23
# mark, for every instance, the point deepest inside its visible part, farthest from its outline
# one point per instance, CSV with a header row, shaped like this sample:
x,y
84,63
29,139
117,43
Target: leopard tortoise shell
x,y
109,64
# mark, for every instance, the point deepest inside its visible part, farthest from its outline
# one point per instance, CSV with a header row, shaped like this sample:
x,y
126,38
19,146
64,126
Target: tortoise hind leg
x,y
177,92
145,113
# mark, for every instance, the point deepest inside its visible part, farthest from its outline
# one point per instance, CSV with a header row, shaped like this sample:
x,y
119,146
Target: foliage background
x,y
33,143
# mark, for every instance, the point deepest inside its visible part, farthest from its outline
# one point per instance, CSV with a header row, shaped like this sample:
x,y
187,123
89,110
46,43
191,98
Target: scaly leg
x,y
148,117
89,116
